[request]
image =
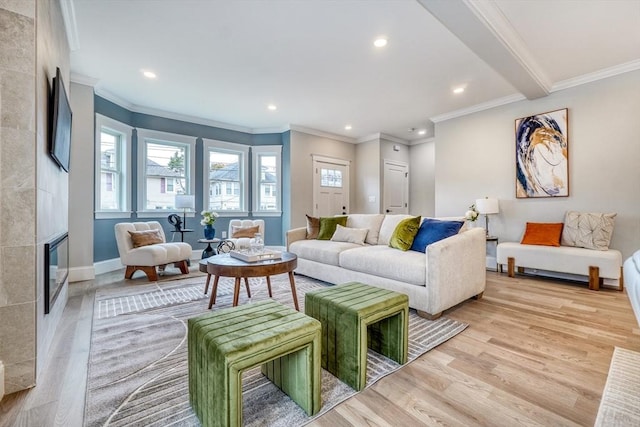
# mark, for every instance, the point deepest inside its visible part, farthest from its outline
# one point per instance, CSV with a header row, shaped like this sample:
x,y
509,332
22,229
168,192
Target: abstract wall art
x,y
542,155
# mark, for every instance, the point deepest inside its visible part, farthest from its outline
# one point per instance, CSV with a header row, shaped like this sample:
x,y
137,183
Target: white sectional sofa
x,y
451,271
597,265
631,269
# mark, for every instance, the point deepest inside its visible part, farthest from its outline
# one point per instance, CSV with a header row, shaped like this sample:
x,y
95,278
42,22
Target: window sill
x,y
266,214
163,213
111,215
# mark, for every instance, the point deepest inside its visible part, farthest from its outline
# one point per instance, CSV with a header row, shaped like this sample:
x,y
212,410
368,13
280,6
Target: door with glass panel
x,y
331,186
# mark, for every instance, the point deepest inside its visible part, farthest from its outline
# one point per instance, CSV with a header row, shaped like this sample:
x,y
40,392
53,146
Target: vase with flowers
x,y
208,218
472,215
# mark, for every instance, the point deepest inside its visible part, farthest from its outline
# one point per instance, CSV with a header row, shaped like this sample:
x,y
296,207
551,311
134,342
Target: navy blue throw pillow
x,y
433,230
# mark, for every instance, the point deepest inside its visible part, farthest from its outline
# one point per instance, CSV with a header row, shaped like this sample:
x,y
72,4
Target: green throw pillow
x,y
328,226
405,232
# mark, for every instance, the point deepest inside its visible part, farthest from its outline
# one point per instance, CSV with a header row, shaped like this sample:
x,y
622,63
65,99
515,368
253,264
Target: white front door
x,y
330,186
396,187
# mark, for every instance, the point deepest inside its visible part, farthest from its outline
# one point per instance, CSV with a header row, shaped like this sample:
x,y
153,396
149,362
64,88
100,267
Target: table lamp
x,y
487,206
184,202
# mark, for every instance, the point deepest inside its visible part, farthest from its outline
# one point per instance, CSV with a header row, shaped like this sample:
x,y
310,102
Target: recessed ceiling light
x,y
272,107
422,131
458,90
380,42
149,74
348,127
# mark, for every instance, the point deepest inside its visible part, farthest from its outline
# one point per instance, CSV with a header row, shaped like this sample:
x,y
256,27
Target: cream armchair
x,y
245,228
143,246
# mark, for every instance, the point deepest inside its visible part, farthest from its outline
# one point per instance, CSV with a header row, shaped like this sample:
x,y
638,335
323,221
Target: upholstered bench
x,y
225,343
355,316
595,264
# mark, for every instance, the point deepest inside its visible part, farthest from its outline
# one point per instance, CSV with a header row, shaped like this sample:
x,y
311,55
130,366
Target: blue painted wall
x,y
104,246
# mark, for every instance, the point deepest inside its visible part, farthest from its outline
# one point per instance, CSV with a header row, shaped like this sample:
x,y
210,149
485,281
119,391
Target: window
x,y
225,177
267,171
112,168
166,166
330,178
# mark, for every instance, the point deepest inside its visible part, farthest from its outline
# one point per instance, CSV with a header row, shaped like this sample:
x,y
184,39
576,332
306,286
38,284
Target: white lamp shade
x,y
487,206
185,201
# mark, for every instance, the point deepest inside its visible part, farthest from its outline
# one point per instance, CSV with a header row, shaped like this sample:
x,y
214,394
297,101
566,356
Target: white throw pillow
x,y
371,222
349,235
588,230
388,226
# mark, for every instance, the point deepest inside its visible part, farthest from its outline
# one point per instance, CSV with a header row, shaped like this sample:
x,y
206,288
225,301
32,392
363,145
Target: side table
x,y
492,256
209,251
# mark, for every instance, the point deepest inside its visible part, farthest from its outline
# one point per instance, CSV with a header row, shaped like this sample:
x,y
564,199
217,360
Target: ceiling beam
x,y
482,26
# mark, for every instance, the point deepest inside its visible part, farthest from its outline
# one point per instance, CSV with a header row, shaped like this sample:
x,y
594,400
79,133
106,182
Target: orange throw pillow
x,y
542,233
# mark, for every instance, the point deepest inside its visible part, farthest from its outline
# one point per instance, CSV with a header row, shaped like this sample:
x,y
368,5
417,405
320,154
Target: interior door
x,y
330,186
396,187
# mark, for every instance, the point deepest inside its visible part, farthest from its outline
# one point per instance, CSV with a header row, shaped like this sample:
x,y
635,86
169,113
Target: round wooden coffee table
x,y
226,266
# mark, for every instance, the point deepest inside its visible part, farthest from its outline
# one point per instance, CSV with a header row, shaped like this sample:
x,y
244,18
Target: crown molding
x,y
422,141
166,114
70,24
83,80
110,96
392,138
323,134
597,75
478,107
497,23
368,138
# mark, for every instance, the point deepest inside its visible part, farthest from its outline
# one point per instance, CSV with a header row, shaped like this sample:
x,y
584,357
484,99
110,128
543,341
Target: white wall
x,y
422,176
476,154
367,179
80,184
303,145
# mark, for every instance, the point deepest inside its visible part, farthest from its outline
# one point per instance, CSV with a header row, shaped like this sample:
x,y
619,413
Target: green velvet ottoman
x,y
352,315
224,343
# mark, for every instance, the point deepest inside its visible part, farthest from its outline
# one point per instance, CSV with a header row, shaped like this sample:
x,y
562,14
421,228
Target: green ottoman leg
x,y
298,374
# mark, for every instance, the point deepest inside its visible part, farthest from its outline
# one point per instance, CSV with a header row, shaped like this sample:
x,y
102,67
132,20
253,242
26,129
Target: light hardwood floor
x,y
537,352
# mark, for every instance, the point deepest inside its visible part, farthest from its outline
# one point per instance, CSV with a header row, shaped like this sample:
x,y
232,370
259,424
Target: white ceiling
x,y
222,61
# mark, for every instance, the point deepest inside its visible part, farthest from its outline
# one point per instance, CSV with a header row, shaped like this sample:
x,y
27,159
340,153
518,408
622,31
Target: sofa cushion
x,y
323,251
433,230
313,227
371,222
145,237
389,224
384,261
328,226
405,232
542,233
588,230
350,235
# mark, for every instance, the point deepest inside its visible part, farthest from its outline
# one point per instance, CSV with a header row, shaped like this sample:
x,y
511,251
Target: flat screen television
x,y
60,142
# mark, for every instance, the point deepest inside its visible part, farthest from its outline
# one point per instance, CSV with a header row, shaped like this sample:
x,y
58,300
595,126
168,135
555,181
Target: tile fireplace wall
x,y
31,187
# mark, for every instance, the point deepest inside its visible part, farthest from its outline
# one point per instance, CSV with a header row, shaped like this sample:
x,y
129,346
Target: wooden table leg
x,y
206,286
246,285
293,291
236,292
214,291
269,286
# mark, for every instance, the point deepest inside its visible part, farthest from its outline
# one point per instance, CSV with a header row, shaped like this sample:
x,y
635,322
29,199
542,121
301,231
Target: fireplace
x,y
56,269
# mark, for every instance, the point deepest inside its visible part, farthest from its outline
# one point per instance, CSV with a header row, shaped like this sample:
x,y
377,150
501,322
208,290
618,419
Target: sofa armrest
x,y
456,269
295,234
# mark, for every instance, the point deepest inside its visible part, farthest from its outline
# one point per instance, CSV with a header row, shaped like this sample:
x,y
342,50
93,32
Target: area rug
x,y
620,404
138,358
